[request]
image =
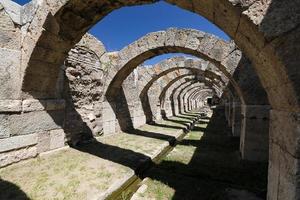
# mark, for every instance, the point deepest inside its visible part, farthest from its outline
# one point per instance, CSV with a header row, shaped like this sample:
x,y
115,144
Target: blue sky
x,y
123,26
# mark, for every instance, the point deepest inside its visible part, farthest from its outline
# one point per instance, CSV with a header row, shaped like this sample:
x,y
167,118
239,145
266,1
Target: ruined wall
x,y
27,127
83,89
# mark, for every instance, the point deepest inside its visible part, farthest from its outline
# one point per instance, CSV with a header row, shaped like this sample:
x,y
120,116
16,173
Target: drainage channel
x,y
132,185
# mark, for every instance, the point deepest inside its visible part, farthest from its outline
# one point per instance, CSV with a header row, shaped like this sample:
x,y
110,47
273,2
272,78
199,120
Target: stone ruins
x,y
61,88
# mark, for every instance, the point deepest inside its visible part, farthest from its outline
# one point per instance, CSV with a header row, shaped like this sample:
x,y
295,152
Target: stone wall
x,y
36,107
27,126
83,89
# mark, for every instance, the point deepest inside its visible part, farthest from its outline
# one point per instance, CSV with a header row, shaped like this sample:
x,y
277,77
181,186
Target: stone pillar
x,y
185,104
230,113
193,105
236,119
138,116
158,115
109,119
168,108
176,107
254,143
182,108
190,105
283,180
227,111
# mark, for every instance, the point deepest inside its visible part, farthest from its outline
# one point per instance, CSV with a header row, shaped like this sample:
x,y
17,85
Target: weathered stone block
x,y
181,37
108,112
109,127
18,142
285,130
204,8
10,78
10,106
170,37
57,139
43,142
56,104
273,171
256,111
13,10
33,105
157,39
33,122
207,43
8,158
227,15
255,133
231,61
194,40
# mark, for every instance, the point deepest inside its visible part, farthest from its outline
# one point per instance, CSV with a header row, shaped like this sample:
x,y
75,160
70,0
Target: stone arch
x,y
176,107
59,32
162,95
175,96
186,95
224,55
179,95
200,95
177,76
267,32
189,94
174,64
167,87
197,97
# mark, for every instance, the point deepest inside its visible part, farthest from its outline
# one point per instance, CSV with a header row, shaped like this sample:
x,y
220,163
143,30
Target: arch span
x,y
224,55
175,77
266,31
64,23
165,106
153,74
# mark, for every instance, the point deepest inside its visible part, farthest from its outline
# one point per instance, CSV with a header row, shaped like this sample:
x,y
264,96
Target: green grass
x,y
160,191
72,174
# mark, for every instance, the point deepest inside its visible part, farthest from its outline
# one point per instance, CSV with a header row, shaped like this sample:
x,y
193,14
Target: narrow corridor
x,y
206,166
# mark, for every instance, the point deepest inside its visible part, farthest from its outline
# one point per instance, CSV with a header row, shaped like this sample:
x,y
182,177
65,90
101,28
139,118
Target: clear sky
x,y
123,26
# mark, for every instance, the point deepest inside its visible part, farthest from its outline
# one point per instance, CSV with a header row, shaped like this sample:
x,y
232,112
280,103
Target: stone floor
x,y
91,171
205,166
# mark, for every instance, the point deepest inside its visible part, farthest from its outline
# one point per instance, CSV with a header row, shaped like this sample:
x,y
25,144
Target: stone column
x,y
283,180
254,143
236,119
227,110
176,107
193,104
168,108
230,113
138,116
190,104
109,120
158,115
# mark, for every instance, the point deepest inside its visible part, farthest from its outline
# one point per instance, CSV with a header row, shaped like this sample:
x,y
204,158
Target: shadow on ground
x,y
9,190
215,167
134,160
